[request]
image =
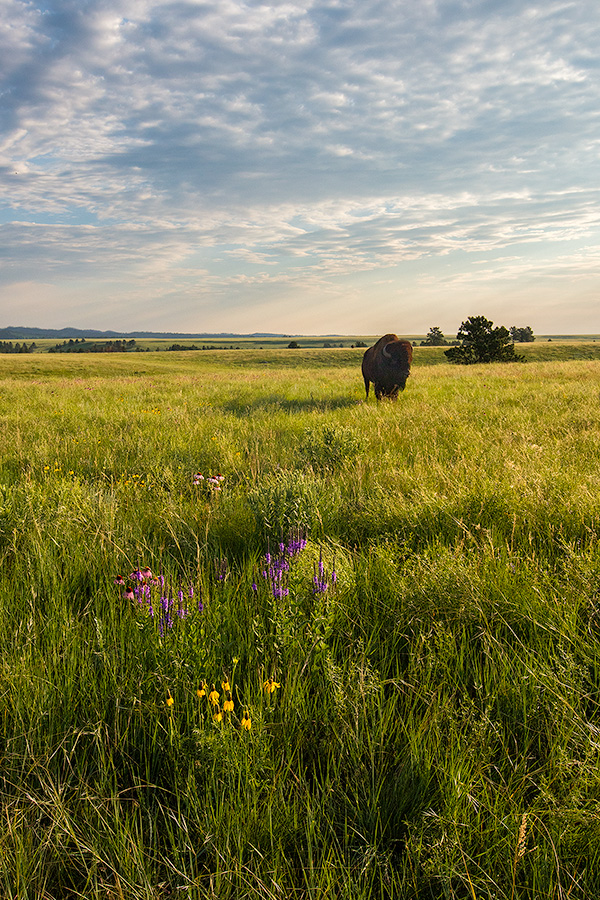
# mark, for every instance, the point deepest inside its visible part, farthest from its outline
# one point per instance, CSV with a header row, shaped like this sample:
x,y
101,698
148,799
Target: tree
x,y
480,342
434,338
522,335
293,345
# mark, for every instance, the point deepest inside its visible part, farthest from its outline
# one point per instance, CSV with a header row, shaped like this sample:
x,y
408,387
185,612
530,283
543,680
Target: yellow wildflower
x,y
246,723
201,691
214,696
271,685
169,700
228,705
217,716
225,685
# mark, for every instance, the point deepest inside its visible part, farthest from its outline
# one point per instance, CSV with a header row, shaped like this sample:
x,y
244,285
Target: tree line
x,y
478,341
83,346
9,347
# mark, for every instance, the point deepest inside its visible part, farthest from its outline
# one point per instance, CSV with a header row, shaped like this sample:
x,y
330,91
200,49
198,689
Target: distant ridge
x,y
18,332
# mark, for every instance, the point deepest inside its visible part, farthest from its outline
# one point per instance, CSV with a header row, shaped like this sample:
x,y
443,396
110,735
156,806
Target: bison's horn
x,y
386,352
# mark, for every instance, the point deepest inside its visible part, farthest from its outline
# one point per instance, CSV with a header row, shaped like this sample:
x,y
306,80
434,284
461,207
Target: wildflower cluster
x,y
277,565
217,700
57,468
160,602
217,711
323,579
133,480
212,483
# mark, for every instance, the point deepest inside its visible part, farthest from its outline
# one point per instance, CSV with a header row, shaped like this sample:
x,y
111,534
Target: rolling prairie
x,y
397,604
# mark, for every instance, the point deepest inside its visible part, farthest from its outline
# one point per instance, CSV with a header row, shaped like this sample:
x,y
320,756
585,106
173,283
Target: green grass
x,y
436,729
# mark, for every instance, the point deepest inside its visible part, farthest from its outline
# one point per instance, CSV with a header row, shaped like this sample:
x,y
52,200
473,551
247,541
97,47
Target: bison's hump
x,y
386,339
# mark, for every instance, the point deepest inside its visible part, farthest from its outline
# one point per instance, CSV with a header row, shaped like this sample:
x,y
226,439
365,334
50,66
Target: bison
x,y
387,365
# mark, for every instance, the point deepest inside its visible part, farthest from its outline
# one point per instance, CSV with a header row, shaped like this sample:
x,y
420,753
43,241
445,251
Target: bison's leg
x,y
385,391
367,386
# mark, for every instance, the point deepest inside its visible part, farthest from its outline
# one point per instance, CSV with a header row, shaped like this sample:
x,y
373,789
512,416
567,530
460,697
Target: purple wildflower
x,y
166,619
277,565
320,583
221,569
181,607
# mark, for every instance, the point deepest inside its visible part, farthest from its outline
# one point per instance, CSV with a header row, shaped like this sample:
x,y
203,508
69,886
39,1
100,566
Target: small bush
x,y
285,500
329,447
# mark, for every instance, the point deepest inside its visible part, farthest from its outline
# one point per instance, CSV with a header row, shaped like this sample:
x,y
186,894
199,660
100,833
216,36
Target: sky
x,y
300,167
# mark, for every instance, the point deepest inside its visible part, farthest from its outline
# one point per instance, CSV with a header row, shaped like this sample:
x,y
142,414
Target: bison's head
x,y
398,357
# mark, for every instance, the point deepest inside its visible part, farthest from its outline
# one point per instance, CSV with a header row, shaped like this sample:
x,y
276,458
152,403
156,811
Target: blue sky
x,y
307,166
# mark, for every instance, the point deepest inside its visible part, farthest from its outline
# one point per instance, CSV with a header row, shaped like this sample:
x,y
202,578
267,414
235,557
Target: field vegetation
x,y
398,605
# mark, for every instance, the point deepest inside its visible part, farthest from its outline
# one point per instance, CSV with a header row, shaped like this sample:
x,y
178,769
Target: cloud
x,y
246,143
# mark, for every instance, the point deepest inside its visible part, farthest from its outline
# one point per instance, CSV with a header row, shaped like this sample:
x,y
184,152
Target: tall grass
x,y
435,732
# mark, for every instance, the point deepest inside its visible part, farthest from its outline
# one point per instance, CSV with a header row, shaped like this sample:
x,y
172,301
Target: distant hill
x,y
22,332
19,333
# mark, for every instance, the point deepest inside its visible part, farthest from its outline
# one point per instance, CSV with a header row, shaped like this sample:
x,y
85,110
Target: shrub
x,y
434,338
286,500
522,335
329,447
480,342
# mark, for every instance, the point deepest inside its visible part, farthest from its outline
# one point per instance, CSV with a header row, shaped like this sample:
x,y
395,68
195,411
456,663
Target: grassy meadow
x,y
408,682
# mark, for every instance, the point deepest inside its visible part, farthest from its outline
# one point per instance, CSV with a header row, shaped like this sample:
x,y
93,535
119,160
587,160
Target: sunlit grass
x,y
435,732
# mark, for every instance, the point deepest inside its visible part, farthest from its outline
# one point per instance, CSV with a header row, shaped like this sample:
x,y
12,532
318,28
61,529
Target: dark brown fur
x,y
388,371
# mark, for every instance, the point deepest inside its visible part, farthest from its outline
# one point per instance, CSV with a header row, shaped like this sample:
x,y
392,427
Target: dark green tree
x,y
434,338
522,335
293,345
480,342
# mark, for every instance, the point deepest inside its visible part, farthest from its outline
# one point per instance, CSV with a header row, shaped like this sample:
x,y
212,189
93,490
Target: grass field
x,y
408,690
307,342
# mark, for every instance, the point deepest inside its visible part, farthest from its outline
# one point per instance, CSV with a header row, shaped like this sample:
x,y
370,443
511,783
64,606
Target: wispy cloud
x,y
228,158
